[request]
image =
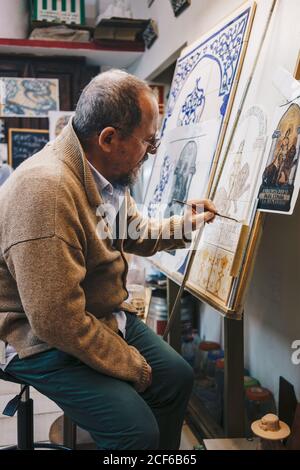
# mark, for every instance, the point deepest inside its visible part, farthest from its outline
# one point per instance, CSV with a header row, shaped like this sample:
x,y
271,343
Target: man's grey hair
x,y
110,99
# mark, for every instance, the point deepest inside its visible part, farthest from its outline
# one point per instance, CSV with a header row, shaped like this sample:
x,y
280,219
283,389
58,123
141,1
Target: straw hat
x,y
269,427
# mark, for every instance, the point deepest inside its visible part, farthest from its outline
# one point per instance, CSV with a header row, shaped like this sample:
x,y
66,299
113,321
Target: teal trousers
x,y
116,416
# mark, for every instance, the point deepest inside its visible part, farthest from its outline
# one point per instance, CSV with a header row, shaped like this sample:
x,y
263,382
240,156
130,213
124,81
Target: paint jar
x,y
137,298
250,382
212,357
259,401
189,344
158,311
202,356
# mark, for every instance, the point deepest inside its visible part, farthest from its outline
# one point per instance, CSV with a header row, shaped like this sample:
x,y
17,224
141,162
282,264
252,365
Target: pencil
x,y
217,213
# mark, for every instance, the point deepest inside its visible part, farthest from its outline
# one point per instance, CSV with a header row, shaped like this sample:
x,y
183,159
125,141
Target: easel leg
x,y
175,332
234,378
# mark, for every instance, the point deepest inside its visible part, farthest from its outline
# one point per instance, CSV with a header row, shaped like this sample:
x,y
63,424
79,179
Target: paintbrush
x,y
217,213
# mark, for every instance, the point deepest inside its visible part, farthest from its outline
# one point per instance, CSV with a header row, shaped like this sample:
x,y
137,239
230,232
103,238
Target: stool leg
x,y
69,439
25,422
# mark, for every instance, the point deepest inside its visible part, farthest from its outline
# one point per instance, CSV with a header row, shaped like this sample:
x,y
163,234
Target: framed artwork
x,y
3,153
150,33
234,196
280,181
28,97
199,106
57,121
2,132
179,6
23,143
159,92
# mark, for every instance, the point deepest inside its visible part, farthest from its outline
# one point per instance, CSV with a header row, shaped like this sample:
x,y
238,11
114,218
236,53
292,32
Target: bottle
x,y
187,349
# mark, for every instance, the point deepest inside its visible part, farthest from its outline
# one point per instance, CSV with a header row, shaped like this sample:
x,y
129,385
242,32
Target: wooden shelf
x,y
113,53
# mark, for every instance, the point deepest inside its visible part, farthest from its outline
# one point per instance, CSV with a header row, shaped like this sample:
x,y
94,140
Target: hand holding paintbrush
x,y
207,205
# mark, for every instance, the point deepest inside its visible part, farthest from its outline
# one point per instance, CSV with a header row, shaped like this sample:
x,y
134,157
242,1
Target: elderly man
x,y
68,329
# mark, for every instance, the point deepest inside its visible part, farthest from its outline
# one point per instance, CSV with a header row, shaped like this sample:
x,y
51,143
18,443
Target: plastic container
x,y
157,317
158,311
189,345
137,298
202,356
212,357
250,382
188,350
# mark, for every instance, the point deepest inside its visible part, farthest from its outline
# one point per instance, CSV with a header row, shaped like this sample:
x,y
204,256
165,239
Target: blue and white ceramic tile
x,y
203,83
28,97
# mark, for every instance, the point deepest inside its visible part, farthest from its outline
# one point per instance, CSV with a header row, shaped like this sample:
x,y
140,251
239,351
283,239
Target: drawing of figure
x,y
182,178
285,143
270,174
277,173
237,184
238,178
286,166
221,266
61,122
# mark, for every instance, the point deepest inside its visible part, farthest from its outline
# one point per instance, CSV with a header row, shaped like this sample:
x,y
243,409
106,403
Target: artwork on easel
x,y
280,178
184,172
200,99
235,197
28,97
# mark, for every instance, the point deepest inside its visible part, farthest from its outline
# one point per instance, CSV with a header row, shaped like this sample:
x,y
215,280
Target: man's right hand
x,y
147,382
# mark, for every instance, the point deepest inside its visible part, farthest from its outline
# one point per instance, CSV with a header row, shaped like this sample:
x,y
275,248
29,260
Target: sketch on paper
x,y
182,177
187,158
211,270
235,196
28,97
201,95
57,121
279,185
235,191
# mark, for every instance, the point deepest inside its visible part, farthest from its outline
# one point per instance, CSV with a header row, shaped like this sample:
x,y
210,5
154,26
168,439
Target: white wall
x,y
272,316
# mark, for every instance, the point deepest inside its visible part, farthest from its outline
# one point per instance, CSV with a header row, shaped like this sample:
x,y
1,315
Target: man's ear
x,y
107,138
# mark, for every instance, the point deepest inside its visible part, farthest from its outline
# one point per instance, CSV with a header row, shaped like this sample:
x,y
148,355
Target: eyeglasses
x,y
152,144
